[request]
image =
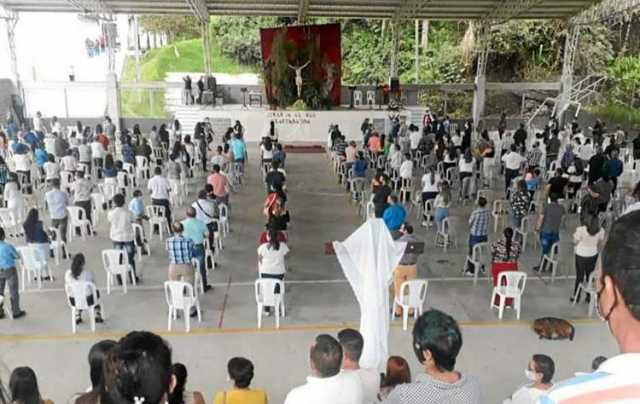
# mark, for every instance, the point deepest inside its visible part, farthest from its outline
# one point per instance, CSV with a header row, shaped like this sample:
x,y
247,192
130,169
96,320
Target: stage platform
x,y
293,126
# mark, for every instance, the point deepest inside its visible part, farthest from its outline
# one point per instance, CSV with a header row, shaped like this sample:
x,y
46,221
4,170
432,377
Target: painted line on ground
x,y
198,332
224,303
299,282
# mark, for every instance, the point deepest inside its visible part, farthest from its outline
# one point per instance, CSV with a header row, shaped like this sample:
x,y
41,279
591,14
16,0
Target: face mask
x,y
531,375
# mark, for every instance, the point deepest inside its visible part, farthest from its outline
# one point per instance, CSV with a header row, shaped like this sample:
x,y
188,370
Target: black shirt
x,y
381,195
557,185
275,179
520,136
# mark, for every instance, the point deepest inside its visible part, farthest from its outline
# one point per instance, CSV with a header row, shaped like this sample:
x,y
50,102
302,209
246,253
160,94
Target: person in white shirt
x,y
395,158
512,163
219,158
38,123
51,169
206,213
352,343
414,139
68,162
121,231
430,188
327,385
13,197
160,189
78,273
587,239
539,371
406,168
56,127
50,144
636,196
271,259
84,154
97,153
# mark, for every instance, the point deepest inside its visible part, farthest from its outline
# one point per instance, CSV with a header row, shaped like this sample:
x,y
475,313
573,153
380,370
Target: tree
x,y
177,27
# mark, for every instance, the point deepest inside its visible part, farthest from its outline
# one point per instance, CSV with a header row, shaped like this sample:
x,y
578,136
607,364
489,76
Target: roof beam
x,y
199,9
95,8
510,9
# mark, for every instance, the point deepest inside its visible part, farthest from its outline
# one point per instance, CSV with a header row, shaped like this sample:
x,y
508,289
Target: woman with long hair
x,y
587,239
97,356
398,372
79,273
35,235
430,187
442,203
23,386
179,394
266,150
504,253
271,259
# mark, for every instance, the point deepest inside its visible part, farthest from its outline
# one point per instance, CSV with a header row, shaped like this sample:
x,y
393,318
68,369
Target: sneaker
x,y
2,315
425,223
19,314
536,268
99,319
483,269
193,313
468,273
78,320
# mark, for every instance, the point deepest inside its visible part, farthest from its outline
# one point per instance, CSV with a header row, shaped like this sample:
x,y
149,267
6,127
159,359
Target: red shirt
x,y
102,138
219,184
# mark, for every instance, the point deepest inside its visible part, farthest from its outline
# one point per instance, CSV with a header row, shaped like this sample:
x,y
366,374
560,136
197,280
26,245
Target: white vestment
x,y
368,258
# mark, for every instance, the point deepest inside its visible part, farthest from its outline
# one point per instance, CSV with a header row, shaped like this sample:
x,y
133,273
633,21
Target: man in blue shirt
x,y
239,150
360,166
394,215
9,275
41,157
196,230
31,139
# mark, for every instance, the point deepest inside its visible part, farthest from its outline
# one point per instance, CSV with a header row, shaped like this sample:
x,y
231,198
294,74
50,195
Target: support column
x,y
206,48
417,52
566,80
479,92
113,99
136,38
11,23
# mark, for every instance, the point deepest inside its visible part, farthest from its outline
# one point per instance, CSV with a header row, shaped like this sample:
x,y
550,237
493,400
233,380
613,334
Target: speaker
x,y
394,84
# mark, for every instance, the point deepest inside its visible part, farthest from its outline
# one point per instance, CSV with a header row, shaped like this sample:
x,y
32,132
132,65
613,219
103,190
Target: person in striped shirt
x,y
618,303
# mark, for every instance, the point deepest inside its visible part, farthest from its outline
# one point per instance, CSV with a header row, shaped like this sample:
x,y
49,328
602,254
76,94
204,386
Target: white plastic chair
x,y
589,287
125,182
33,265
142,168
413,293
198,282
78,221
9,222
445,234
498,212
427,212
138,233
175,194
371,210
78,291
552,259
209,260
66,179
181,296
523,233
371,98
510,286
357,98
116,262
223,221
476,259
266,297
58,246
157,218
97,207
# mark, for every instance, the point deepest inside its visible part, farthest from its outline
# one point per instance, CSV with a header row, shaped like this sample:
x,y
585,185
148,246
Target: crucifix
x,y
298,70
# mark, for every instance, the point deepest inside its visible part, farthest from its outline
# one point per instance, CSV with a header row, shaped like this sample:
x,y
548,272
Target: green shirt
x,y
195,230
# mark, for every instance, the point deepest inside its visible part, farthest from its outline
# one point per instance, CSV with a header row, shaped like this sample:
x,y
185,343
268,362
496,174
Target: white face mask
x,y
531,375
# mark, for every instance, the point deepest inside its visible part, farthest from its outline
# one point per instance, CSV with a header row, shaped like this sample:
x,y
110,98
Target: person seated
x,y
23,387
179,394
275,178
68,162
352,344
279,155
327,384
240,372
394,214
406,168
97,356
398,373
539,371
360,166
281,235
79,273
271,260
437,341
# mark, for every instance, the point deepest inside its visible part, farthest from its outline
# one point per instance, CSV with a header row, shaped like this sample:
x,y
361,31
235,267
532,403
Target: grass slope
x,y
182,56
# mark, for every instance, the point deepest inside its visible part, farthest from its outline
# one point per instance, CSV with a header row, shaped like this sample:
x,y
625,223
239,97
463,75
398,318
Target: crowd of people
x,y
551,174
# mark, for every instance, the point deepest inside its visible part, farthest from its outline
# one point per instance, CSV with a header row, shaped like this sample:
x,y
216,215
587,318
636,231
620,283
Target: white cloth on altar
x,y
368,258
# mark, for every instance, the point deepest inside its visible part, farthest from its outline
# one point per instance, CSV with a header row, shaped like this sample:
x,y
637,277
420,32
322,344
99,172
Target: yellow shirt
x,y
241,396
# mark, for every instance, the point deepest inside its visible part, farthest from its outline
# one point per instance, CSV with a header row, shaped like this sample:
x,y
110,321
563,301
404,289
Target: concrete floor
x,y
318,300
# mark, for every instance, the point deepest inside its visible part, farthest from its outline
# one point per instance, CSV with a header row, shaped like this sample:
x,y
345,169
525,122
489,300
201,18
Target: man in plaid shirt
x,y
180,251
479,228
534,157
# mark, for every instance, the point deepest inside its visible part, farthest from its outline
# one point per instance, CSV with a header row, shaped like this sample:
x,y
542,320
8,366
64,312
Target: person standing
x,y
239,150
57,202
478,228
195,230
587,238
407,268
519,204
512,165
549,226
381,195
220,185
160,189
82,188
121,232
9,277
